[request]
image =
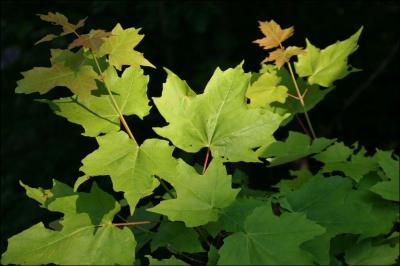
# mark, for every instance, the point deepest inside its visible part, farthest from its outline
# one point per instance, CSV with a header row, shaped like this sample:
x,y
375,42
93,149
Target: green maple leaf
x,y
324,66
68,70
199,197
270,240
96,114
176,237
339,157
131,168
388,189
295,147
365,253
87,234
218,119
119,48
265,90
170,261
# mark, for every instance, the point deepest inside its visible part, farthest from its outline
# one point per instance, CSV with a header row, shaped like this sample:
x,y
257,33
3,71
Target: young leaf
x,y
131,168
365,253
177,238
274,34
61,20
270,240
199,197
47,38
388,189
119,48
96,114
265,90
324,66
93,40
84,212
205,120
67,70
282,56
338,157
296,146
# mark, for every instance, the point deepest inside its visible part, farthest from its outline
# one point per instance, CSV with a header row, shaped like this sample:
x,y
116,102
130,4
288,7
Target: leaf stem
x,y
114,102
206,161
301,100
165,187
132,223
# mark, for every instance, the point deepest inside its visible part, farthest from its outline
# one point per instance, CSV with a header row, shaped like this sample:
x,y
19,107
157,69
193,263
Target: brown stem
x,y
302,125
205,161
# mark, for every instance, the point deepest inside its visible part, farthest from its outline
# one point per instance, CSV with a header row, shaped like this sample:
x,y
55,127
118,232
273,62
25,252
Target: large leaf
x,y
199,197
87,235
388,189
295,147
206,120
96,114
119,48
68,70
131,168
324,66
270,240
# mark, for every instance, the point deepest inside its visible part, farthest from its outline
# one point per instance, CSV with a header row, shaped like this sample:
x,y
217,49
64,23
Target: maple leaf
x,y
119,48
93,40
61,20
274,34
205,120
68,69
282,56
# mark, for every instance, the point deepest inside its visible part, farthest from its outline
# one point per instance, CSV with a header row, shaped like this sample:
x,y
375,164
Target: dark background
x,y
192,39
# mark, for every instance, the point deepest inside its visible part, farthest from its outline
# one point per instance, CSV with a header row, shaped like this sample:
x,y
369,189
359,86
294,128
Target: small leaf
x,y
295,147
199,197
274,34
324,66
61,20
282,56
119,48
47,38
93,40
266,90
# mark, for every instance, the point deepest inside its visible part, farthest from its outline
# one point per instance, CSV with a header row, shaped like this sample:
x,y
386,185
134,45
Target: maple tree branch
x,y
116,107
205,161
301,100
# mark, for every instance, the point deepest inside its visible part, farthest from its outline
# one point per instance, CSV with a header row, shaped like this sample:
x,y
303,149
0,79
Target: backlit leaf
x,y
93,40
219,118
282,56
324,66
61,20
199,197
274,34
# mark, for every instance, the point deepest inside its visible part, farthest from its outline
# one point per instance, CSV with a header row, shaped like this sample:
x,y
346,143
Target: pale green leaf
x,y
324,66
177,238
96,114
199,197
205,120
295,147
131,168
265,90
119,48
270,240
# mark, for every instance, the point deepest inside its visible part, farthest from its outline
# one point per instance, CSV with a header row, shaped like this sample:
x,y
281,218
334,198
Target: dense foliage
x,y
339,207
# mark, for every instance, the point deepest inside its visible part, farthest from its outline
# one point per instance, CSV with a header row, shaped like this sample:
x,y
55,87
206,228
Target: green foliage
x,y
339,207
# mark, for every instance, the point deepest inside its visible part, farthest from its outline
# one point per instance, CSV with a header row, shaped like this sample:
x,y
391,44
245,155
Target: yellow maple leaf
x,y
282,56
274,34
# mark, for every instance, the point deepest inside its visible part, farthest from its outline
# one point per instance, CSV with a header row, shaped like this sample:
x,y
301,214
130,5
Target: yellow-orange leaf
x,y
281,56
61,20
93,40
274,34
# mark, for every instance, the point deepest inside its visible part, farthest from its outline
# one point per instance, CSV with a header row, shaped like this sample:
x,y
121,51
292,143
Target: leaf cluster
x,y
343,211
